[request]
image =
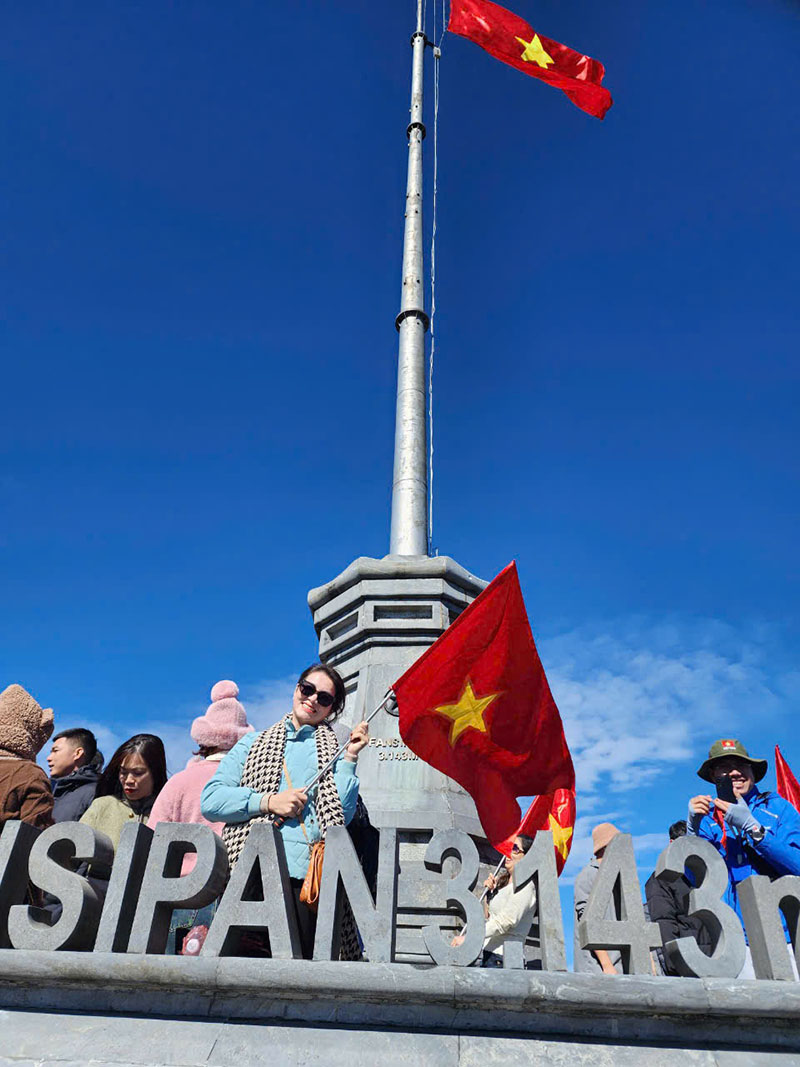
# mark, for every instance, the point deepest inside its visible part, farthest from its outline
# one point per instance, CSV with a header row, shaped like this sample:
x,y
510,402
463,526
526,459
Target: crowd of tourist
x,y
238,776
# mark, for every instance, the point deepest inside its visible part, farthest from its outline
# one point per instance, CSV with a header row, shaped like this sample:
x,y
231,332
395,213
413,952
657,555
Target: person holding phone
x,y
755,832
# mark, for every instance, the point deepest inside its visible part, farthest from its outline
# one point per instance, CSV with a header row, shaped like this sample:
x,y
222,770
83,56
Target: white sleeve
x,y
507,911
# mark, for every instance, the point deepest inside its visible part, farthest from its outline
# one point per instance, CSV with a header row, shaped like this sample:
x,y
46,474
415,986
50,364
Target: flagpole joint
x,y
412,311
416,126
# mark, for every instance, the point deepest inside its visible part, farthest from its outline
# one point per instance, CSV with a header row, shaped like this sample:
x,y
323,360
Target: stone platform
x,y
79,1008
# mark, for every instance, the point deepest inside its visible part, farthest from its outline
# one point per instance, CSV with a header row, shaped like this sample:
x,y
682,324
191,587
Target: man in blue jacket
x,y
756,833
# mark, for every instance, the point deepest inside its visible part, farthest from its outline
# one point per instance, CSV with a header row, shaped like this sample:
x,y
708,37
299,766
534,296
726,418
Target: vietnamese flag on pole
x,y
476,705
553,811
788,786
509,38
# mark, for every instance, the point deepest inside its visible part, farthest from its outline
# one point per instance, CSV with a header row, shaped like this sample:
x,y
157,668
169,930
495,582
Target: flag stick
x,y
495,873
499,866
389,696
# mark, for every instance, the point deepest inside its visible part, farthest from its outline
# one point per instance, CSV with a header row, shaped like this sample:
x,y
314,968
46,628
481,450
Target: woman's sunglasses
x,y
325,700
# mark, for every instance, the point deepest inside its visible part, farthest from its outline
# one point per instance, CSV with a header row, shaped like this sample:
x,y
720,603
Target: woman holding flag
x,y
267,776
509,915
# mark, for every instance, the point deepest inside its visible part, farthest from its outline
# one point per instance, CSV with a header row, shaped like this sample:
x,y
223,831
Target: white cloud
x,y
266,701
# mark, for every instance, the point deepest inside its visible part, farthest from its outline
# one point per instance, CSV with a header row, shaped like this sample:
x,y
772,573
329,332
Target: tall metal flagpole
x,y
409,535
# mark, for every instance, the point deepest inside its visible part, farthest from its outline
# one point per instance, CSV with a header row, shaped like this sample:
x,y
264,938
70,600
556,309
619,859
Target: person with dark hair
x,y
128,787
24,730
509,914
73,775
264,778
668,905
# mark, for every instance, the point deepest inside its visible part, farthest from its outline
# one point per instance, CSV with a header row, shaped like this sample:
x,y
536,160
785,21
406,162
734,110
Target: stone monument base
x,y
68,1008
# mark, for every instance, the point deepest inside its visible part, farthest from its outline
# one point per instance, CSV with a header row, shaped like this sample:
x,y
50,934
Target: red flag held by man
x,y
510,39
788,786
553,811
476,705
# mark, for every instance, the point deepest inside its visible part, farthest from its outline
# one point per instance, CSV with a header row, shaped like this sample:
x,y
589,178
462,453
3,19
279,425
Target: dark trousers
x,y
306,920
257,944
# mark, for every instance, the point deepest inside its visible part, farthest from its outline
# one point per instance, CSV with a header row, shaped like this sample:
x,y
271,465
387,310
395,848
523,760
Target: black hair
x,y
338,687
678,829
80,738
526,843
204,751
151,749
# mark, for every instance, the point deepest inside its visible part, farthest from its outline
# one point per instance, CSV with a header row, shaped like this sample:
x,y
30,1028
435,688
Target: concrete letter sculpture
x,y
539,863
631,934
164,889
122,895
711,879
342,876
262,862
762,901
16,841
51,866
457,844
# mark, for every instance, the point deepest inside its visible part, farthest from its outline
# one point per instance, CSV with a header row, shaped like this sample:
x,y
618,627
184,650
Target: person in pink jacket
x,y
224,723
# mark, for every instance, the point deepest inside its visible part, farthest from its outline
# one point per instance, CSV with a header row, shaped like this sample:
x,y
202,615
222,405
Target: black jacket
x,y
73,793
668,904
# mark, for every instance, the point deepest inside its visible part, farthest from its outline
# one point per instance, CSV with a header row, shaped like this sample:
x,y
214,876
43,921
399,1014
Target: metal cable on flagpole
x,y
431,357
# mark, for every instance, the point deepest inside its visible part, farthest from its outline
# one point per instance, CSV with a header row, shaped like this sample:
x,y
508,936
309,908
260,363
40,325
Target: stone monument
x,y
130,1009
376,617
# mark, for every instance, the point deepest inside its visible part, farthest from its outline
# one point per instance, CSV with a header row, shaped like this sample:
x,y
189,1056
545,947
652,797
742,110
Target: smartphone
x,y
725,789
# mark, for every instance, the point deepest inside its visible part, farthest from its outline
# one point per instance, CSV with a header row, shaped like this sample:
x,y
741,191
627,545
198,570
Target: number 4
x,y
631,934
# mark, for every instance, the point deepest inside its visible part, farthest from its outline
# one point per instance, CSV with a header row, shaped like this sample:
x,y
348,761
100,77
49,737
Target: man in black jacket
x,y
73,773
668,905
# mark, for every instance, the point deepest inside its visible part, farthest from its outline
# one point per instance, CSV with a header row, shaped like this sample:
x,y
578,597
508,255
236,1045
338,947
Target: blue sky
x,y
202,218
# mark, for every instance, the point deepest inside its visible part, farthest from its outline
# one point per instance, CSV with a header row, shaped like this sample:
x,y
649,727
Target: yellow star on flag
x,y
467,713
534,52
561,835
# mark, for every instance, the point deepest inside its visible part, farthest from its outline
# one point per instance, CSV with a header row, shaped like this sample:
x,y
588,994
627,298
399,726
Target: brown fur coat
x,y
24,787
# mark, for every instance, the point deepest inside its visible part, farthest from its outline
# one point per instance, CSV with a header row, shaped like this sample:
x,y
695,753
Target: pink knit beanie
x,y
225,722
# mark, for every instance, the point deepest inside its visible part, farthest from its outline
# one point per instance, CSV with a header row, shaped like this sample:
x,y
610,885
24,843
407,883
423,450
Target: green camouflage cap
x,y
725,748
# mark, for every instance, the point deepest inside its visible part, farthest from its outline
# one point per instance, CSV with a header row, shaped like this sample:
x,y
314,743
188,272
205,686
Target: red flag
x,y
476,705
788,786
553,811
509,38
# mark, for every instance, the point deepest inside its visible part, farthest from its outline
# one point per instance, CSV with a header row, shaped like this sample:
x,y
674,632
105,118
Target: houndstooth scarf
x,y
262,772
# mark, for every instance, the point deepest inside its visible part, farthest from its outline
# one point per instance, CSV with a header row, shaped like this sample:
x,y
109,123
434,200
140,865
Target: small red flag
x,y
788,786
509,38
476,705
554,811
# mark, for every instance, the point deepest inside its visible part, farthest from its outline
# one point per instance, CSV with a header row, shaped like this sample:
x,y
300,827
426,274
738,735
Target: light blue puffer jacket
x,y
225,799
